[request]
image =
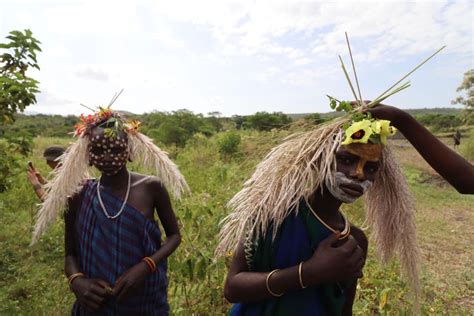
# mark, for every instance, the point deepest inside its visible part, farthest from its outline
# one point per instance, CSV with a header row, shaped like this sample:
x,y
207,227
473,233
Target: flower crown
x,y
363,127
113,121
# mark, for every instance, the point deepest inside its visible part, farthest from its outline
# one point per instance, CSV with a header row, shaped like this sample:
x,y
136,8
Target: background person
x,y
51,154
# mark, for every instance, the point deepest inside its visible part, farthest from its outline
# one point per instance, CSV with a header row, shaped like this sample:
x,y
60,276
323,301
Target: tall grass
x,y
32,281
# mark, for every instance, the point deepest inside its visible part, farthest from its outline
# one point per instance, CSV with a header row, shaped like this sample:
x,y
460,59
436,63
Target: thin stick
x,y
332,98
347,77
87,107
354,69
421,64
378,100
115,97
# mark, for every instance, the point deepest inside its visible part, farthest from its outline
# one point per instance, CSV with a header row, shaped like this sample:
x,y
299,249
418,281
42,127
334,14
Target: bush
x,y
467,146
229,144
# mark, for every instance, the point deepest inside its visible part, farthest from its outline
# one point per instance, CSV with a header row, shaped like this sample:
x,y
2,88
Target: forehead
x,y
97,135
370,152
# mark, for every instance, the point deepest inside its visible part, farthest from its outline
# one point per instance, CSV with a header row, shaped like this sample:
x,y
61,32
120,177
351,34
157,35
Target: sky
x,y
240,56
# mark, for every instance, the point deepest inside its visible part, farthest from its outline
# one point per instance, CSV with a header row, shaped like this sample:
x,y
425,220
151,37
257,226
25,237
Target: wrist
x,y
400,119
310,275
150,263
73,278
37,186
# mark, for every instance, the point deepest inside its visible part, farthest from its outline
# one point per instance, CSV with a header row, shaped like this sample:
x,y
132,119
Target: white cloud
x,y
91,73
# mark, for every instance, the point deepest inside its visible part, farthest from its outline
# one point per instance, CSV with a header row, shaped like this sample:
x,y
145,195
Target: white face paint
x,y
341,179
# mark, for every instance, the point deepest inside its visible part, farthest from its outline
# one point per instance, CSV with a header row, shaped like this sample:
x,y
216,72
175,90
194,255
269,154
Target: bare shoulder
x,y
151,184
360,236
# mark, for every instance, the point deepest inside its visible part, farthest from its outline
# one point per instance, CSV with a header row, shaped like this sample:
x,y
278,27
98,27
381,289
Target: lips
x,y
352,189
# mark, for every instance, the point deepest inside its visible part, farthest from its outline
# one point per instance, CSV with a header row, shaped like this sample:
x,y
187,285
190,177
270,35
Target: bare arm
x,y
451,166
134,277
328,264
169,222
35,179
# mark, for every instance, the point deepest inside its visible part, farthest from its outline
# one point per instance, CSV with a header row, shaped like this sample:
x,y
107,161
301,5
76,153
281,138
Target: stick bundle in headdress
x,y
74,163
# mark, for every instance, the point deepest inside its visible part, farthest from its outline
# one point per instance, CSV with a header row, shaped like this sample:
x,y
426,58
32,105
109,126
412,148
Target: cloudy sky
x,y
240,56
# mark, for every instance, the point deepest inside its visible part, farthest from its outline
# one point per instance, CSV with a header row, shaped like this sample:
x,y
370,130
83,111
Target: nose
x,y
358,172
107,156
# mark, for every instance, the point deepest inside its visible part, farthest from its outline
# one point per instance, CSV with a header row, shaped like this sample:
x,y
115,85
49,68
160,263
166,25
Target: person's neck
x,y
325,204
117,180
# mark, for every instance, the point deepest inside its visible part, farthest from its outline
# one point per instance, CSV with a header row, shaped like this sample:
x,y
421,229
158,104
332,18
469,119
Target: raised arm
x,y
450,165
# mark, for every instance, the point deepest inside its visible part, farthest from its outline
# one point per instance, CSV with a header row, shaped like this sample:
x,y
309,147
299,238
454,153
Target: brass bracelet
x,y
74,276
151,264
268,286
300,267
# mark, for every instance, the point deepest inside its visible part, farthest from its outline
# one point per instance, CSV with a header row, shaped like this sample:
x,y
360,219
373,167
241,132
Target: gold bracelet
x,y
300,267
268,286
74,276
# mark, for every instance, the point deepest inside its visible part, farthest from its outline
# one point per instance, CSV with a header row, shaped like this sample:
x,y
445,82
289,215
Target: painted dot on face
x,y
113,163
101,163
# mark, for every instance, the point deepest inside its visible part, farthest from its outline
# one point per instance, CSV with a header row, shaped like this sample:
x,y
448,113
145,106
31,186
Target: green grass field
x,y
32,281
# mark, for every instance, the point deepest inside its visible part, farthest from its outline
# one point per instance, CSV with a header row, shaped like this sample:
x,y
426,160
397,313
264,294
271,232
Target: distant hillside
x,y
414,112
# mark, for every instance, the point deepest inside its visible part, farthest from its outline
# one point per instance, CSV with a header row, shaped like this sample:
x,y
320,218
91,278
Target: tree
x,y
315,118
17,91
264,121
468,86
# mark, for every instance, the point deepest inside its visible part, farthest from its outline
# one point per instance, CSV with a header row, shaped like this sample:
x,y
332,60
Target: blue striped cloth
x,y
106,248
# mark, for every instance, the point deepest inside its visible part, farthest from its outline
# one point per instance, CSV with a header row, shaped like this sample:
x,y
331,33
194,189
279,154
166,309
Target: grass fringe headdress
x,y
74,164
302,163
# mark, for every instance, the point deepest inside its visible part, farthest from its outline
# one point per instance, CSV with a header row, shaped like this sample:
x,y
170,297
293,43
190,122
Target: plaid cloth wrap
x,y
106,248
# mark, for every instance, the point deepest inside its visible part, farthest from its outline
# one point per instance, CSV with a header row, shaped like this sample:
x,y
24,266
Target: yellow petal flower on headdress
x,y
132,126
358,132
383,128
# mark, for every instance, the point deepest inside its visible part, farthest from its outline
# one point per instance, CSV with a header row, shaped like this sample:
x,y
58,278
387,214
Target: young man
x,y
115,259
51,154
296,253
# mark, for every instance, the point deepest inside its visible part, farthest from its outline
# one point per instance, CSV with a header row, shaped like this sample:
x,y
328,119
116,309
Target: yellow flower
x,y
358,132
383,128
133,126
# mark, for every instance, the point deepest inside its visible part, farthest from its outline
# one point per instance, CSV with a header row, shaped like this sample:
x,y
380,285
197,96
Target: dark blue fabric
x,y
106,248
296,240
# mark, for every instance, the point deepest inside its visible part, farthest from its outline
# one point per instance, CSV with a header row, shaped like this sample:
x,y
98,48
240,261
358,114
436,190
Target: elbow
x,y
229,292
178,239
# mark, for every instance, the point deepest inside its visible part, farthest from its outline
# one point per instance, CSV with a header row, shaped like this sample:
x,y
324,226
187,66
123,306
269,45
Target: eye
x,y
371,167
345,160
97,150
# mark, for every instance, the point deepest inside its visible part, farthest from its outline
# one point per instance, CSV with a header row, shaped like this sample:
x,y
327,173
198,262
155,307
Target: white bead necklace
x,y
123,204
